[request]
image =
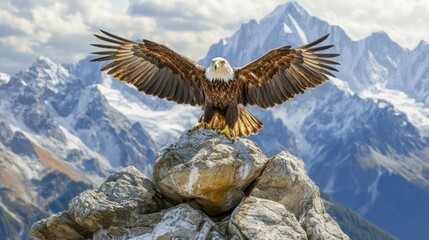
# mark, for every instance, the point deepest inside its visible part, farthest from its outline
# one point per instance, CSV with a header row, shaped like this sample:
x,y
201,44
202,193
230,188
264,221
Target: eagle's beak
x,y
218,64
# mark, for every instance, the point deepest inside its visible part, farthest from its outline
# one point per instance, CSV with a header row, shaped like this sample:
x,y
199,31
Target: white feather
x,y
224,73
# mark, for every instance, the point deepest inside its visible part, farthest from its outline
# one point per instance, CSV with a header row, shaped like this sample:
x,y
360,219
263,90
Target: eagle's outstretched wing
x,y
284,72
152,68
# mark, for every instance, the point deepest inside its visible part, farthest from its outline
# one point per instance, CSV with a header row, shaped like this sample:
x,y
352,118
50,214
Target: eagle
x,y
222,91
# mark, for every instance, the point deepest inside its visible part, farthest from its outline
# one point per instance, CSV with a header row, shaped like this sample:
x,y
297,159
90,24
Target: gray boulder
x,y
285,181
257,218
180,222
124,196
59,226
206,167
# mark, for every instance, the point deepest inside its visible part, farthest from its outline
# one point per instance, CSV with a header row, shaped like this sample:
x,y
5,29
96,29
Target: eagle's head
x,y
219,69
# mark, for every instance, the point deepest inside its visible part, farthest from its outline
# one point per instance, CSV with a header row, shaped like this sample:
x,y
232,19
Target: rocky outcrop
x,y
285,181
210,170
205,188
257,218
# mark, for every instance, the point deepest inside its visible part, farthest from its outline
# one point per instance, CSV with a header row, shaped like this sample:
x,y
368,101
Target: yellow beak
x,y
218,64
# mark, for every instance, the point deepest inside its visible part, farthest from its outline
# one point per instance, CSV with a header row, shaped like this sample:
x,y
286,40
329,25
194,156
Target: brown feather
x,y
163,83
181,83
157,79
173,88
105,46
284,72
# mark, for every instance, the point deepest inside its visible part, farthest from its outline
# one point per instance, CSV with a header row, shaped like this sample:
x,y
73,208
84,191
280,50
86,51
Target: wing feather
x,y
172,91
152,68
281,91
162,83
156,81
178,93
284,72
153,77
168,82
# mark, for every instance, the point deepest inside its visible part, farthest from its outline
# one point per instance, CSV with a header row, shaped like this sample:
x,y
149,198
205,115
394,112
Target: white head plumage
x,y
219,69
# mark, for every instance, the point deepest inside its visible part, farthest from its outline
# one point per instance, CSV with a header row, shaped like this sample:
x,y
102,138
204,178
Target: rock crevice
x,y
205,187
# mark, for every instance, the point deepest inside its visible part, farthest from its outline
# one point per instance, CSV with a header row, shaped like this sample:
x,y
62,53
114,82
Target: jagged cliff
x,y
204,187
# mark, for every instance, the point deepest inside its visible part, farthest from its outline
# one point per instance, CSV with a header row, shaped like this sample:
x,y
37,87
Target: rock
x,y
180,222
318,224
206,167
257,218
124,196
59,226
276,199
285,180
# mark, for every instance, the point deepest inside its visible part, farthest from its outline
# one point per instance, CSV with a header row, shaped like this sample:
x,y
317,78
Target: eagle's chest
x,y
220,93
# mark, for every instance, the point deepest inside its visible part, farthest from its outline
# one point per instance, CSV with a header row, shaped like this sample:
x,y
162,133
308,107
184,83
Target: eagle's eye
x,y
222,62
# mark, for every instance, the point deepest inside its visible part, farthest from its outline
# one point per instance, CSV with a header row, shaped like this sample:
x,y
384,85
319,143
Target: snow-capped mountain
x,y
58,136
364,135
412,74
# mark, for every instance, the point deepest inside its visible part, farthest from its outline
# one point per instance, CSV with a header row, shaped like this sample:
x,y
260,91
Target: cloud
x,y
62,30
403,21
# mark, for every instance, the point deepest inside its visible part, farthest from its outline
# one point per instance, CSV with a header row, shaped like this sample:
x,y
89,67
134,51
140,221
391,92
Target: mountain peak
x,y
42,74
295,5
289,7
44,62
380,34
422,45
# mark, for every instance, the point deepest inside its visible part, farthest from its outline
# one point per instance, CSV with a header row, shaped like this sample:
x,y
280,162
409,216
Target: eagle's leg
x,y
198,126
204,119
225,131
231,117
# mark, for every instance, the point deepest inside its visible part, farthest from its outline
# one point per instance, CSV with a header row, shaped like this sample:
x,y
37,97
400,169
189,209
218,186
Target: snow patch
x,y
224,41
4,78
298,29
163,126
377,73
294,124
417,113
342,85
286,28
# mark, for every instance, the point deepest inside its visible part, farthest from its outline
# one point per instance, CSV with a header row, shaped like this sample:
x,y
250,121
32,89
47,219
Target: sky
x,y
62,30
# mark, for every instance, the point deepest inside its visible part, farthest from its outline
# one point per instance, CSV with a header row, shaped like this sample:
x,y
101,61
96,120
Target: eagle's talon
x,y
195,128
226,132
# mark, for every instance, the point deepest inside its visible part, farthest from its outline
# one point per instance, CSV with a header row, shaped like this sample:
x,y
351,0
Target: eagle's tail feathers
x,y
246,123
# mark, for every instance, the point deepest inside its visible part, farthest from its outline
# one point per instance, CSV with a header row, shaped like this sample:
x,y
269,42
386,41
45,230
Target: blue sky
x,y
62,30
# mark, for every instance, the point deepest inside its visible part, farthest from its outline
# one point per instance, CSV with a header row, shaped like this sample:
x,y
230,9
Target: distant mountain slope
x,y
58,136
354,225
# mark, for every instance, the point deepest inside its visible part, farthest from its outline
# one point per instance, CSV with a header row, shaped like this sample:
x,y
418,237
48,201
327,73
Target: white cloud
x,y
59,19
62,30
404,21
